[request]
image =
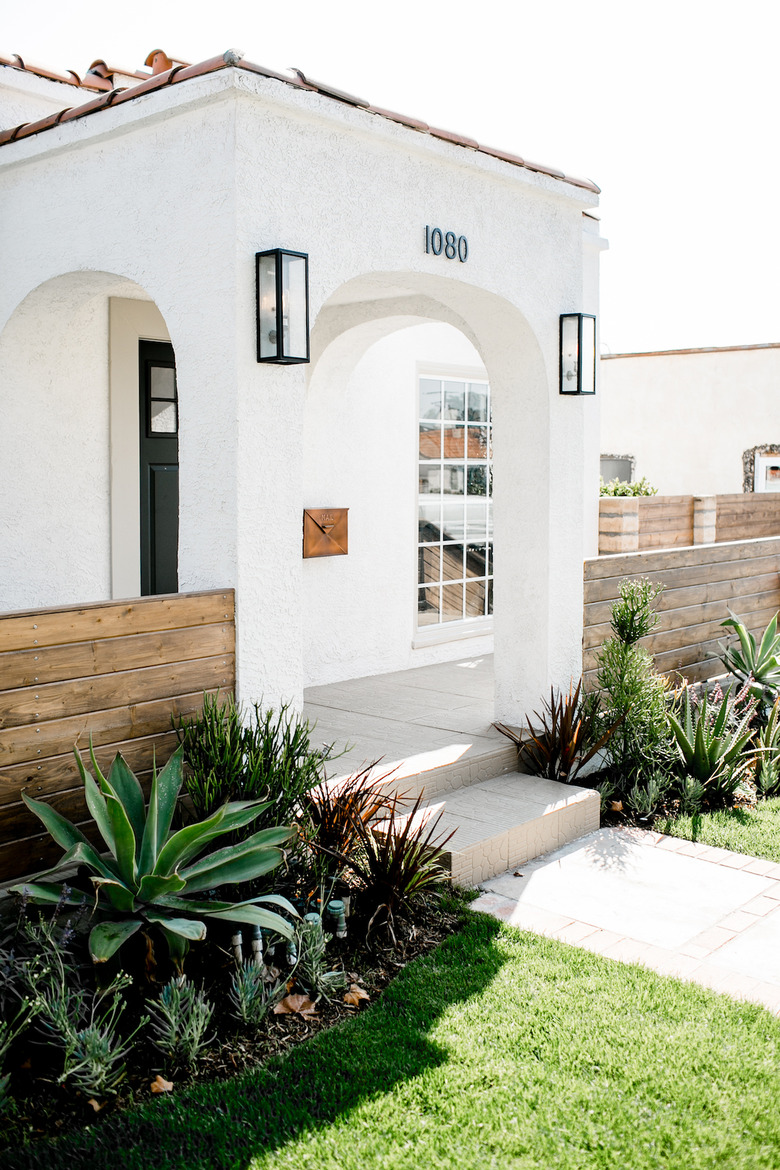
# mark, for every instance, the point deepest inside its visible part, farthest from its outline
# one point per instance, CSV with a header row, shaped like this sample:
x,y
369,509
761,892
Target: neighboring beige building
x,y
686,417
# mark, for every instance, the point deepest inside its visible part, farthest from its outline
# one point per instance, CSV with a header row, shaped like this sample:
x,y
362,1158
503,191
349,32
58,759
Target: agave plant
x,y
711,743
149,874
752,663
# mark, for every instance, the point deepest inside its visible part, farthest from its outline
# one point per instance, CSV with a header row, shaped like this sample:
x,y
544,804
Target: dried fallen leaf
x,y
355,995
296,1005
160,1085
517,873
96,1105
616,805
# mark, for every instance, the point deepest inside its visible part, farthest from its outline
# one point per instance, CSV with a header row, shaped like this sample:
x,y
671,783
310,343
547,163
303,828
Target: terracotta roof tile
x,y
329,90
98,103
167,71
450,136
9,135
404,119
156,81
17,62
42,124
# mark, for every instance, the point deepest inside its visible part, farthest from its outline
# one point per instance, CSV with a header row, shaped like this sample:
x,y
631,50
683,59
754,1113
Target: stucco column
x,y
269,512
240,492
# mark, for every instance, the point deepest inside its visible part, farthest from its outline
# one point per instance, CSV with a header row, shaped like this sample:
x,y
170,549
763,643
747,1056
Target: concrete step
x,y
503,822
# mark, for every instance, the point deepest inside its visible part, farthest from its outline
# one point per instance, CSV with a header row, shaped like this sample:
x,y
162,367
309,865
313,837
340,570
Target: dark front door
x,y
159,418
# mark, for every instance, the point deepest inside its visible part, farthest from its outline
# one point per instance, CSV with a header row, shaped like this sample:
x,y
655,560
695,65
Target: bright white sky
x,y
673,108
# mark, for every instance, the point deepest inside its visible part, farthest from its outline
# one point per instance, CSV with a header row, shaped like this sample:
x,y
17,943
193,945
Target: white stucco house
x,y
694,421
132,208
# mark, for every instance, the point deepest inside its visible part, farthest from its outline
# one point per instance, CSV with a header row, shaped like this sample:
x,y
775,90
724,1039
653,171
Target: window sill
x,y
452,632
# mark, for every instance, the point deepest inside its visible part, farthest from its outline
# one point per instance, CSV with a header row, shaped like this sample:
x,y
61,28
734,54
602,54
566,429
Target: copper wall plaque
x,y
325,532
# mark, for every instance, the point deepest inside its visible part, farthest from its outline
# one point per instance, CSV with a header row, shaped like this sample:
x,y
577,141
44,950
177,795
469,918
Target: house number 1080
x,y
452,246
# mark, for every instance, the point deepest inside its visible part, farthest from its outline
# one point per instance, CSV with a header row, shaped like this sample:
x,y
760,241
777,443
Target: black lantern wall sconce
x,y
578,354
282,306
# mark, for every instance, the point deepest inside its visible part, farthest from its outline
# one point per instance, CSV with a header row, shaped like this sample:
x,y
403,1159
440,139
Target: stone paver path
x,y
693,911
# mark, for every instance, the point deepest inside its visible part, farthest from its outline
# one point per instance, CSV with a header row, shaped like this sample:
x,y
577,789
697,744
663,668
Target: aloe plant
x,y
757,664
149,874
768,753
711,743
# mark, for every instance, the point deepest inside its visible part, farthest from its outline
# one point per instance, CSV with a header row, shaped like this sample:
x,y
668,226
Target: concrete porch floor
x,y
433,727
432,721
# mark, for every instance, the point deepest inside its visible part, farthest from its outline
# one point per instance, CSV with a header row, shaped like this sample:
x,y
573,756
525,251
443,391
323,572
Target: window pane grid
x,y
455,556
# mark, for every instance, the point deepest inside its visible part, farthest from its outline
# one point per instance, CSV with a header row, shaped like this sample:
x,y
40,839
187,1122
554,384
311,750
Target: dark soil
x,y
40,1108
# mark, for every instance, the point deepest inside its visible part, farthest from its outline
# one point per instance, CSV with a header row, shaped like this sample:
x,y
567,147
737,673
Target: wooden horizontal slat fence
x,y
636,523
746,516
701,584
116,671
665,521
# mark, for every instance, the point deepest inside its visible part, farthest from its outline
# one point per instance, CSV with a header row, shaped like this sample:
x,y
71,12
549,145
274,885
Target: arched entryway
x,y
361,316
72,394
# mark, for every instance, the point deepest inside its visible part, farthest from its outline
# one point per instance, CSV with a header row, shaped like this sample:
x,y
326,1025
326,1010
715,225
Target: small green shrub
x,y
647,796
617,487
83,1024
179,1021
632,614
253,993
312,970
633,696
265,756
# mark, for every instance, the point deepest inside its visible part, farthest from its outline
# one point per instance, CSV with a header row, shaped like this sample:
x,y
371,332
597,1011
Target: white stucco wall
x,y
361,452
24,97
688,416
54,514
176,191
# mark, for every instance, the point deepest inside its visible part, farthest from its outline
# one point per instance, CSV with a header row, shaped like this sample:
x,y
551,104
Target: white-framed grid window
x,y
455,521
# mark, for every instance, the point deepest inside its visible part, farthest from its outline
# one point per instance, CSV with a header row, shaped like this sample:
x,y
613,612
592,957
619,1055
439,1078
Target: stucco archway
x,y
530,643
69,444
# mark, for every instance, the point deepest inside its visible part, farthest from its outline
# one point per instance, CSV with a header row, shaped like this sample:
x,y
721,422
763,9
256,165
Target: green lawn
x,y
500,1049
755,831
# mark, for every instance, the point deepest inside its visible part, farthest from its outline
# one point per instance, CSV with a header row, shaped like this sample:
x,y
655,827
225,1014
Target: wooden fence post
x,y
704,513
618,524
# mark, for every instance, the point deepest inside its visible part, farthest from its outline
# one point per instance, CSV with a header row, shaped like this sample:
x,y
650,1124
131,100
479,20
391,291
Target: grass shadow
x,y
227,1124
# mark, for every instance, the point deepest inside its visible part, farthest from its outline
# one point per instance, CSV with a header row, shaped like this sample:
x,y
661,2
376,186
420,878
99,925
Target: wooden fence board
x,y
44,778
115,671
54,627
673,598
24,668
630,564
701,584
37,704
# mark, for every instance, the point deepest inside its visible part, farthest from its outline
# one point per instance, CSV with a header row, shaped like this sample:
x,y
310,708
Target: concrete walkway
x,y
699,913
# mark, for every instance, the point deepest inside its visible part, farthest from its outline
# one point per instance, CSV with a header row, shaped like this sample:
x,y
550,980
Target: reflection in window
x,y
163,404
455,550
